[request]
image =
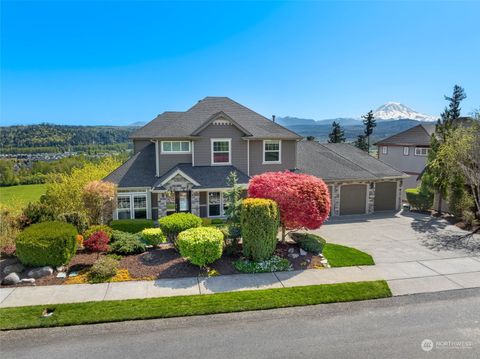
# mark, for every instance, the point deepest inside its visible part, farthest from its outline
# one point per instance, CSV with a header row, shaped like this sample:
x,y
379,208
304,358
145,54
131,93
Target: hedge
x,y
47,244
309,242
259,223
131,225
172,225
201,246
418,199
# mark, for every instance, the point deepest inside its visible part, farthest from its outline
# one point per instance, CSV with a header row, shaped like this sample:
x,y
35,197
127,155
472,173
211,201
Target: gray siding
x,y
168,161
203,150
396,159
289,152
138,145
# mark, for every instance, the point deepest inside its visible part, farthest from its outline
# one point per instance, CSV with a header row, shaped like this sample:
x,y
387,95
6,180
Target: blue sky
x,y
118,62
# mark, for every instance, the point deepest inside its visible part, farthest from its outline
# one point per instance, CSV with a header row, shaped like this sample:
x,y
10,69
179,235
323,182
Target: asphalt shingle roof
x,y
341,162
138,171
419,135
184,124
206,176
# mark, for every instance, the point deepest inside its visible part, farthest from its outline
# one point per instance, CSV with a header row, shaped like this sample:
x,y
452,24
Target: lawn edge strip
x,y
343,256
168,307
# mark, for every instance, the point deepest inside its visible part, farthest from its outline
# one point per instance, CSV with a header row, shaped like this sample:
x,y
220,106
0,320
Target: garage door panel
x,y
385,196
353,199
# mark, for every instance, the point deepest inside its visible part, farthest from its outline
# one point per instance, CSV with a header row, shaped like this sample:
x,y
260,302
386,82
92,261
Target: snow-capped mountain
x,y
397,111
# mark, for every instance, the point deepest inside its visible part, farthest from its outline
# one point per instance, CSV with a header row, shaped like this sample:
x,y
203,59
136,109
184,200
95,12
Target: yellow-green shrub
x,y
259,223
153,236
201,246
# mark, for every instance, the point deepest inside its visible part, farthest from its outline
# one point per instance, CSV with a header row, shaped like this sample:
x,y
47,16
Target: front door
x,y
182,201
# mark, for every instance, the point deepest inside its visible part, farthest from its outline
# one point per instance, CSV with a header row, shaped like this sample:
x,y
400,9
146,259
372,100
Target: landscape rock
x,y
293,255
11,279
17,267
28,280
61,269
302,252
291,250
40,272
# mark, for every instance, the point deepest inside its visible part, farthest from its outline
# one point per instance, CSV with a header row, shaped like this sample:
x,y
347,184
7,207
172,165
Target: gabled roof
x,y
138,171
202,176
419,135
186,124
216,116
341,162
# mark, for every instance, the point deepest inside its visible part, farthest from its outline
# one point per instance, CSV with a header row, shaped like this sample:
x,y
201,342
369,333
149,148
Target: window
x,y
221,151
123,207
216,204
406,151
175,146
271,151
384,150
421,151
131,206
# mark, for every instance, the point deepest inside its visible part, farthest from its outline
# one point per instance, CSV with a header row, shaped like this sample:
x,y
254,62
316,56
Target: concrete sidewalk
x,y
403,278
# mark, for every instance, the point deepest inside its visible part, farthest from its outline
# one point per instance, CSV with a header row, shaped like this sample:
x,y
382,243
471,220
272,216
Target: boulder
x,y
302,252
40,272
28,280
11,279
17,267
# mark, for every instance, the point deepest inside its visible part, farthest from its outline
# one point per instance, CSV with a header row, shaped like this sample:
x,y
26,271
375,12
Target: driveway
x,y
414,252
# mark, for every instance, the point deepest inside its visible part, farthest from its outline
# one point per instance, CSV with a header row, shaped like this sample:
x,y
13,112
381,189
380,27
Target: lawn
x,y
19,196
342,256
166,307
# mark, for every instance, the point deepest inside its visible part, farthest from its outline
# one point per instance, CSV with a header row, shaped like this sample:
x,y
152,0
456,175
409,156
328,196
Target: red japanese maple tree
x,y
303,200
97,242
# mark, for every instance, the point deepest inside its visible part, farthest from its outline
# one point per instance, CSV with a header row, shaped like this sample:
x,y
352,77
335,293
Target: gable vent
x,y
221,122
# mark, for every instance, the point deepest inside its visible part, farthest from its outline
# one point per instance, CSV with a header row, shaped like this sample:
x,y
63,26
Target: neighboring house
x,y
407,151
182,160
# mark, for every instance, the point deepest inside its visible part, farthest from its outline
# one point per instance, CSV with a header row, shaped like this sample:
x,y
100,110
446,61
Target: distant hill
x,y
59,138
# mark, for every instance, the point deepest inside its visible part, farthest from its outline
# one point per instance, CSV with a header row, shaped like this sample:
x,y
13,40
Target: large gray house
x,y
182,160
407,151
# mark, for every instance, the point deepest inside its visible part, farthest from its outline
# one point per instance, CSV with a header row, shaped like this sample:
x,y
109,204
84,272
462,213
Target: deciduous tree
x,y
99,201
303,200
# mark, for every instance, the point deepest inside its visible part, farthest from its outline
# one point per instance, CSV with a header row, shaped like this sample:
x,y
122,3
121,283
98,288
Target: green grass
x,y
342,256
19,196
166,307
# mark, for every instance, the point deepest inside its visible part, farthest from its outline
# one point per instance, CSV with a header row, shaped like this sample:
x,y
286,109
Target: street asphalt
x,y
448,324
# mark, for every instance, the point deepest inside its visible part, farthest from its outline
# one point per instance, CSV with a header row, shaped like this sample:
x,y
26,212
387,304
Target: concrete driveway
x,y
414,252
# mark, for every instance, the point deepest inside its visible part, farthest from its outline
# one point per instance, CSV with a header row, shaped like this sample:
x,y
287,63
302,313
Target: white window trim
x,y
131,195
418,153
384,150
229,140
222,205
175,152
279,153
406,151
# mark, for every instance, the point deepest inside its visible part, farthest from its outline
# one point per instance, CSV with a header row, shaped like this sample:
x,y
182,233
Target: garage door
x,y
385,196
353,199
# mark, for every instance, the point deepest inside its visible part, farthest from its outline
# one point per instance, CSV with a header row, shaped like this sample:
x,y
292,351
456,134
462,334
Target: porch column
x,y
195,205
162,205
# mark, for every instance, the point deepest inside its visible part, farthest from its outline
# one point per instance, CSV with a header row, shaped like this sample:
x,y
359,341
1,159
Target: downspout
x,y
248,158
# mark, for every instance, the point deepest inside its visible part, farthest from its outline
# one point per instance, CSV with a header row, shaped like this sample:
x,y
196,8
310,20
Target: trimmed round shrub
x,y
78,219
172,225
201,246
153,236
131,225
100,227
125,243
47,244
259,222
103,269
309,242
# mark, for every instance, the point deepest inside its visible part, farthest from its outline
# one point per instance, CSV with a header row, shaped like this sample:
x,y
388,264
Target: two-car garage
x,y
354,197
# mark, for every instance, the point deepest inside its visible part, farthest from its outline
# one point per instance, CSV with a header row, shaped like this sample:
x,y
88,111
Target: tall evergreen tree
x,y
370,123
361,142
337,135
438,175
